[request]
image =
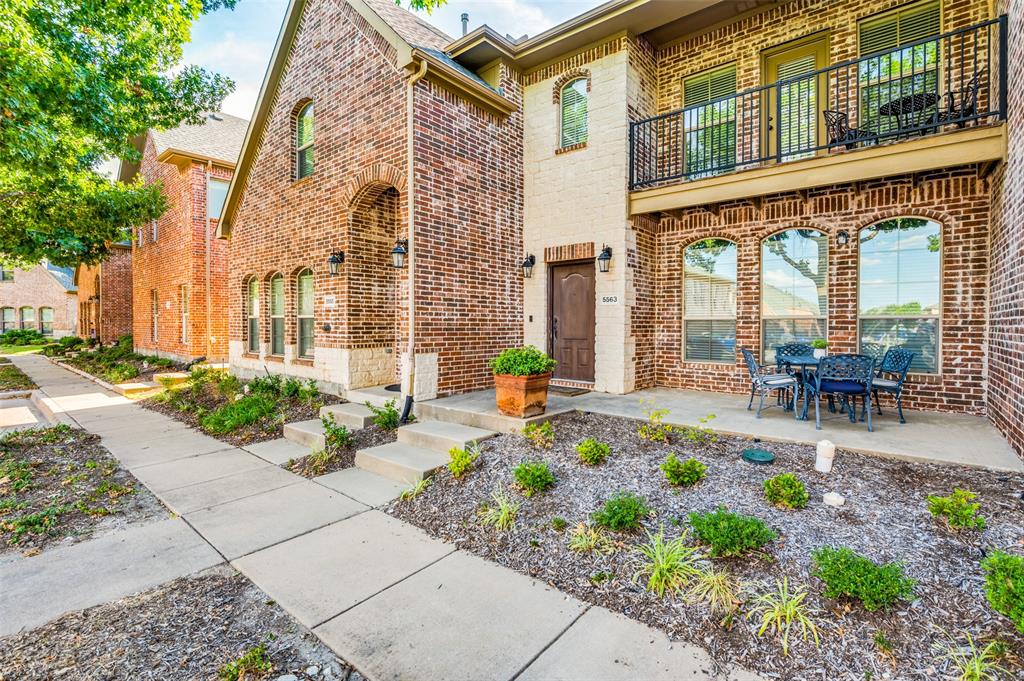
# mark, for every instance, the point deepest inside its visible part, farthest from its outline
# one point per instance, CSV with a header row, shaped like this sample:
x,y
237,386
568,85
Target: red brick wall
x,y
110,317
957,199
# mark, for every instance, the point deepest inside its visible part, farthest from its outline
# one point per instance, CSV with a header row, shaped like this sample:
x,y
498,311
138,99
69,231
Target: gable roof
x,y
219,138
65,276
410,27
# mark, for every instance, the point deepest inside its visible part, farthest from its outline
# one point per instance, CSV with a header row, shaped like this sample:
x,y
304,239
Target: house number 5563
x,y
609,300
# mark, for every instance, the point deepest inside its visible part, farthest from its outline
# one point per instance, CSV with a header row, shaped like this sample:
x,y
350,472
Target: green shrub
x,y
461,460
786,491
699,435
956,510
309,391
254,664
524,361
122,372
846,573
228,386
1004,585
291,388
70,342
686,473
238,414
819,343
593,452
655,430
268,385
623,511
335,437
386,417
22,337
730,534
540,435
558,523
533,477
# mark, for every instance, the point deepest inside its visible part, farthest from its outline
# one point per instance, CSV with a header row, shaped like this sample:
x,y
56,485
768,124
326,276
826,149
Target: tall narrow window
x,y
28,318
252,307
906,62
216,192
304,311
138,237
304,142
709,122
46,321
277,315
183,297
901,288
153,230
573,113
6,274
794,289
709,301
8,319
154,312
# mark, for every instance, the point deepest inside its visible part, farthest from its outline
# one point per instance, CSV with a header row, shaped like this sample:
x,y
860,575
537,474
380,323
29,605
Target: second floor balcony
x,y
865,110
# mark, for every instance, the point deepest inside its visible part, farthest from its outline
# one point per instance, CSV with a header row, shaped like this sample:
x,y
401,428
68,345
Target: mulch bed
x,y
344,457
147,369
885,518
183,630
60,485
13,378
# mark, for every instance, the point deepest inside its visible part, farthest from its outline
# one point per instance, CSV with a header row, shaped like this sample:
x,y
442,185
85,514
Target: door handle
x,y
554,329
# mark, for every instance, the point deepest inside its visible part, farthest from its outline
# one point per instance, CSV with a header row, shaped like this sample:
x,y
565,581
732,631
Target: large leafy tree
x,y
79,79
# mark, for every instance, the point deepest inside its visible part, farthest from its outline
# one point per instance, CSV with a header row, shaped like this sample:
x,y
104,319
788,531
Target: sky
x,y
238,43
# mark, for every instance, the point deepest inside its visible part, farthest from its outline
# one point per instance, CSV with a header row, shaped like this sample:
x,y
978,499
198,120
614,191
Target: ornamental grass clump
x,y
524,361
667,565
782,610
956,510
533,477
730,534
589,539
718,588
622,512
846,573
683,473
500,512
1004,585
592,452
238,414
786,491
971,663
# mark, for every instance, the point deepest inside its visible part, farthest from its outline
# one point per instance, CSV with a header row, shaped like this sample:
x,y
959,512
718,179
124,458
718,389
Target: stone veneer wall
x,y
37,288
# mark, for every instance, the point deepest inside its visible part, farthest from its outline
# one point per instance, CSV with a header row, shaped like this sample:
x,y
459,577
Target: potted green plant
x,y
521,377
820,346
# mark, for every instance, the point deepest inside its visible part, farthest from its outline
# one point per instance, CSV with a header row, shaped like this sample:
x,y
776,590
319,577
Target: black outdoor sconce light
x,y
604,260
398,253
842,237
528,262
334,262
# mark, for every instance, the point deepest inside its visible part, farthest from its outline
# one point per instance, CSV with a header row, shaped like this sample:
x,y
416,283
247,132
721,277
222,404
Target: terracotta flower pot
x,y
521,396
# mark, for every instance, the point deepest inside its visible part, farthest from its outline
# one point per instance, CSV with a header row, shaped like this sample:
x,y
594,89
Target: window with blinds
x,y
304,142
709,301
277,315
798,127
710,122
304,313
573,113
899,63
252,309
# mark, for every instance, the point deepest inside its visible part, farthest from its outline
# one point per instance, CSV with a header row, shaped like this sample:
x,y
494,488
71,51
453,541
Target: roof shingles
x,y
219,138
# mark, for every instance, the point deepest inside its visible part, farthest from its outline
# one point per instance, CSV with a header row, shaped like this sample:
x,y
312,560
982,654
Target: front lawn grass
x,y
20,349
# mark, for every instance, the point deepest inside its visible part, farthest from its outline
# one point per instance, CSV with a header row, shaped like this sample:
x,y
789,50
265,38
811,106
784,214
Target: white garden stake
x,y
826,452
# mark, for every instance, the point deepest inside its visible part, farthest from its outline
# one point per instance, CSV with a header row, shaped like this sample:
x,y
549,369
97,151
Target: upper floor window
x,y
709,122
153,230
277,315
216,193
304,313
28,317
252,311
901,288
138,237
304,142
184,303
709,301
794,289
573,113
154,316
6,274
46,321
8,320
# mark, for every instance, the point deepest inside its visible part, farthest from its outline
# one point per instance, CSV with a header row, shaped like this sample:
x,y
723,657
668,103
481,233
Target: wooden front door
x,y
572,320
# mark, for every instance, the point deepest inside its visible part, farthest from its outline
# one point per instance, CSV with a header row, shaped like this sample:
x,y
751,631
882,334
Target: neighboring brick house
x,y
41,298
105,296
179,267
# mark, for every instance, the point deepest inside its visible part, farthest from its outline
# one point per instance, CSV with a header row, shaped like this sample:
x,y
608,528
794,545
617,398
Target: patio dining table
x,y
805,362
903,108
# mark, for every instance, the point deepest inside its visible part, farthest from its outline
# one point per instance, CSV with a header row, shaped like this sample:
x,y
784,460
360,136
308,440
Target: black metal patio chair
x,y
837,123
763,382
960,105
792,350
891,374
848,376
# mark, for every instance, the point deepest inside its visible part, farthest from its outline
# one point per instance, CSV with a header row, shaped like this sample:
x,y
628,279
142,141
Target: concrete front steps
x,y
421,449
311,433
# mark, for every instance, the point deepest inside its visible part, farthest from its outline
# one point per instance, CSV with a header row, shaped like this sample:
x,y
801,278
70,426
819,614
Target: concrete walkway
x,y
382,594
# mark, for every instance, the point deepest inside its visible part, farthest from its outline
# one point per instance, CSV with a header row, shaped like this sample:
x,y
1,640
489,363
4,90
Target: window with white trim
x,y
184,304
46,321
277,315
304,313
304,142
216,193
8,319
794,289
252,307
709,301
6,274
154,313
573,113
27,317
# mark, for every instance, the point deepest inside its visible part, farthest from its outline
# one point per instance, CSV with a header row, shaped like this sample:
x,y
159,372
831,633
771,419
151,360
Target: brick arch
x,y
945,220
565,79
366,186
710,234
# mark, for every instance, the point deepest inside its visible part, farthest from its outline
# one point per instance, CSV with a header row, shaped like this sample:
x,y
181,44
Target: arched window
x,y
573,113
304,142
277,315
709,301
899,301
46,321
27,317
794,289
304,312
252,311
8,320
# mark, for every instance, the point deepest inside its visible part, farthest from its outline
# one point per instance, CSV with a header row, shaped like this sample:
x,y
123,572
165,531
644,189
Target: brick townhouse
x,y
41,298
105,296
179,267
641,190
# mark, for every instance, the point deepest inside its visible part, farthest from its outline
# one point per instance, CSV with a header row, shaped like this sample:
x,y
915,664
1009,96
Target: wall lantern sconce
x,y
842,237
604,260
528,262
334,262
398,253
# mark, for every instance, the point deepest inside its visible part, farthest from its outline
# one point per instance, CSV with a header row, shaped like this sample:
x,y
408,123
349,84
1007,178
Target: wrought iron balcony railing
x,y
949,81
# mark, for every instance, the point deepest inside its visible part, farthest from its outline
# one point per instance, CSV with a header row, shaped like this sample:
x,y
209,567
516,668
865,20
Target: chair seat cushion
x,y
780,380
845,387
884,384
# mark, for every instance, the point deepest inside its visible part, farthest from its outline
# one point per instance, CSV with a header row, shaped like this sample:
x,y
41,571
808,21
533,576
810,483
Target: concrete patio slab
x,y
279,451
320,574
36,590
256,522
229,488
18,414
606,646
162,477
363,486
461,618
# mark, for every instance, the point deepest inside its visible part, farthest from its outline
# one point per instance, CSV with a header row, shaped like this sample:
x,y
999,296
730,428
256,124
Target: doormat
x,y
567,391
